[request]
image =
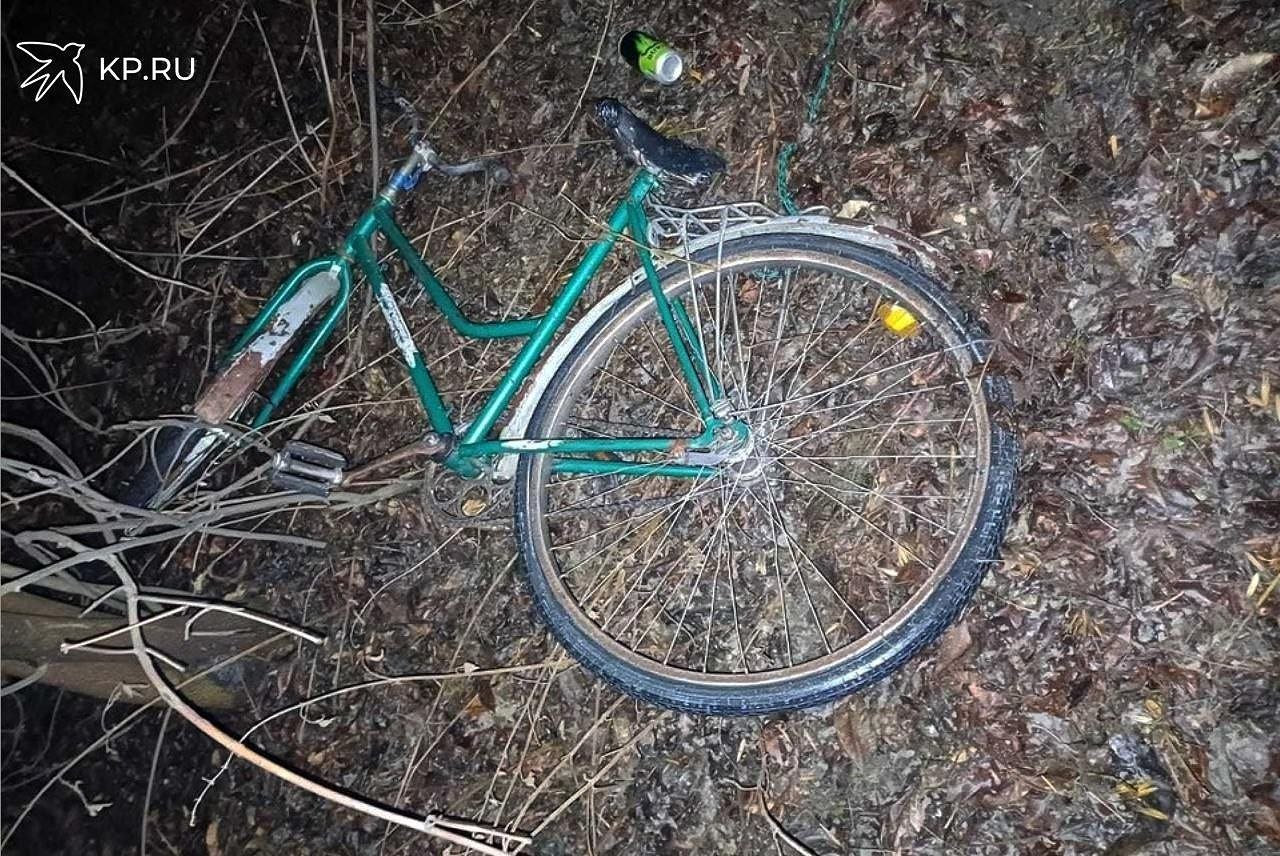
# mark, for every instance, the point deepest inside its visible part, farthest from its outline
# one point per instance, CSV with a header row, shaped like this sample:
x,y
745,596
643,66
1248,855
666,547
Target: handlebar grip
x,y
499,174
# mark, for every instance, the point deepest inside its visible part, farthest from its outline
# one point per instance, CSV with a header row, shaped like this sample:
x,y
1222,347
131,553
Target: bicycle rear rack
x,y
670,224
675,228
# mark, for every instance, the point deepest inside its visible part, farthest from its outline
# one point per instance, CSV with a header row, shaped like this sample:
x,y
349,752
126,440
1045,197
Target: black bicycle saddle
x,y
665,157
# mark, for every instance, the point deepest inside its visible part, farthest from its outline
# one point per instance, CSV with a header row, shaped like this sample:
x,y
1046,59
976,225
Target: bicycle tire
x,y
882,655
169,463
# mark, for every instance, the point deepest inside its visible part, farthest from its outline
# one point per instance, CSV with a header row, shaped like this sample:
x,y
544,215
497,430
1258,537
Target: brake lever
x,y
497,173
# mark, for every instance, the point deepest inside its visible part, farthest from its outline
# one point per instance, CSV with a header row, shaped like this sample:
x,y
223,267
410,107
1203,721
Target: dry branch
x,y
70,483
94,239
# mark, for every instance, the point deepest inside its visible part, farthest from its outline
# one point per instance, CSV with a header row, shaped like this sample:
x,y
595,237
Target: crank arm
x,y
433,445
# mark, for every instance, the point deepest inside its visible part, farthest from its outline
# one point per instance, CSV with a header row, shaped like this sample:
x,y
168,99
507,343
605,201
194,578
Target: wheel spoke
x,y
846,492
794,547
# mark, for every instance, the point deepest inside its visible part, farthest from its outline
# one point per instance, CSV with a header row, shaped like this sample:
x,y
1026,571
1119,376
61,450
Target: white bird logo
x,y
57,62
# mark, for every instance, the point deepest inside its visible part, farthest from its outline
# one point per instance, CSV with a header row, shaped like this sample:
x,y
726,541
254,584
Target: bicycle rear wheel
x,y
177,456
872,500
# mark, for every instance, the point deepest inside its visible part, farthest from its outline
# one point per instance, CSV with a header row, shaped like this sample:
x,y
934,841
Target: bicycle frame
x,y
538,331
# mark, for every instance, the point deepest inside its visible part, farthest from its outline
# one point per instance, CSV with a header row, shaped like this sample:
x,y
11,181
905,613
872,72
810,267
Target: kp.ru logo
x,y
62,63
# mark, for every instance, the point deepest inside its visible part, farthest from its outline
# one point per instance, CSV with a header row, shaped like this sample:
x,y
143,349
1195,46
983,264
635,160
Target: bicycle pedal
x,y
306,468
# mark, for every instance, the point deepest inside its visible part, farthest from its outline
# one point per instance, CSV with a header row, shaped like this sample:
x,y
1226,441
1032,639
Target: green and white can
x,y
651,56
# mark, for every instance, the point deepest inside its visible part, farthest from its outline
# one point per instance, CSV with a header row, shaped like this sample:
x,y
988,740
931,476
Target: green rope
x,y
815,104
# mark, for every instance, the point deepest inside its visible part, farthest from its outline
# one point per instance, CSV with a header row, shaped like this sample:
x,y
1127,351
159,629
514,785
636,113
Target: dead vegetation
x,y
1103,173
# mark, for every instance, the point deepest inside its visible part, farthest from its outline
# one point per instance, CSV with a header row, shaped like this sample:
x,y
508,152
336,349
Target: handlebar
x,y
498,173
424,158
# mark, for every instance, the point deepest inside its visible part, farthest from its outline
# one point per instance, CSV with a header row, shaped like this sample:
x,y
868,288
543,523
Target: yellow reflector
x,y
897,320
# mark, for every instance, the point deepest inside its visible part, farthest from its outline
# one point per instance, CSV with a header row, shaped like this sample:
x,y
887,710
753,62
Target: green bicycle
x,y
758,474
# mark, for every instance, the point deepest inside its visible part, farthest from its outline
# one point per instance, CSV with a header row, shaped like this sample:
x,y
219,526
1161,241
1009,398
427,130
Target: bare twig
x,y
480,66
93,808
99,199
52,394
214,606
172,137
380,681
88,643
22,683
122,727
369,59
152,652
112,550
573,750
93,327
191,242
146,659
406,572
94,239
595,61
780,832
328,91
151,781
284,99
618,755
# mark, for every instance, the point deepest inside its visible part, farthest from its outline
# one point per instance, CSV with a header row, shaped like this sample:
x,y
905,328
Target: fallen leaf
x,y
982,259
853,209
851,730
777,743
904,556
1222,87
1266,593
955,642
1267,821
885,14
987,699
482,702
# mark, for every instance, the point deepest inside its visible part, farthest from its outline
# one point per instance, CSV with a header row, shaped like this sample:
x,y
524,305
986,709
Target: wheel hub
x,y
748,469
736,449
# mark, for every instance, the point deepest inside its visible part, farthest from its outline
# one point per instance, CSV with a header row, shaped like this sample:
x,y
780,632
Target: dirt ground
x,y
1114,687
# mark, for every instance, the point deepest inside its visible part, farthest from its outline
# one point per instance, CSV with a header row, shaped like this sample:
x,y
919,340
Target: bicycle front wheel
x,y
852,533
